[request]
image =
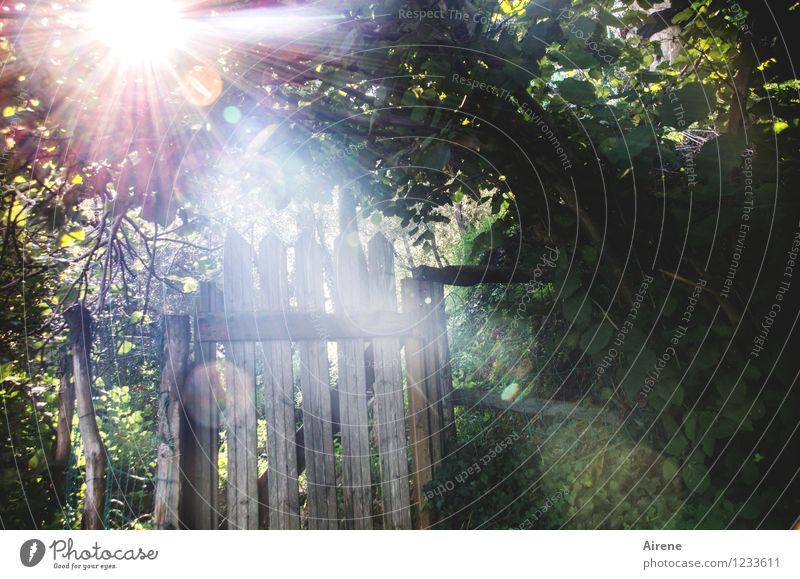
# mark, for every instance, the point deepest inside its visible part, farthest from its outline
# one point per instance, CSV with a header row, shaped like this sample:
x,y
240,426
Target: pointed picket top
x,y
309,278
237,273
388,385
273,270
240,387
352,283
381,254
282,488
315,384
381,269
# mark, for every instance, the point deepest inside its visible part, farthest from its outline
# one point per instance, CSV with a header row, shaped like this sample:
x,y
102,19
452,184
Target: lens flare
x,y
201,85
232,115
141,31
511,392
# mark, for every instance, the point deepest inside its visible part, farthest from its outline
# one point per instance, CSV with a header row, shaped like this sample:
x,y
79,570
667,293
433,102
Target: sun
x,y
138,31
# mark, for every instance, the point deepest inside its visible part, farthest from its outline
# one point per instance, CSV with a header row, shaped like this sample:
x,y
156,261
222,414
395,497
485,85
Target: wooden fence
x,y
391,392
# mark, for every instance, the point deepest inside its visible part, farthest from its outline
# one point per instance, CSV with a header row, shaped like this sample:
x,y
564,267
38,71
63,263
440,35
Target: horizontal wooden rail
x,y
529,406
295,326
472,275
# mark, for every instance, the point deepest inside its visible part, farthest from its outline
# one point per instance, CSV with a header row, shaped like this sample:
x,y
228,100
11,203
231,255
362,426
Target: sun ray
x,y
141,32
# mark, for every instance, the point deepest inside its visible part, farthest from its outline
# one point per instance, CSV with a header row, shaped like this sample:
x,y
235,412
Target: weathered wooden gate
x,y
276,337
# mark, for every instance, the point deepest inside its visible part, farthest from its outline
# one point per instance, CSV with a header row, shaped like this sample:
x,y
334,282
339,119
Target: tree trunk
x,y
738,112
79,322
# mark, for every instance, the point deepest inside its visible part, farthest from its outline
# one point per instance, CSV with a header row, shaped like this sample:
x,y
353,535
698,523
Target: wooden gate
x,y
275,338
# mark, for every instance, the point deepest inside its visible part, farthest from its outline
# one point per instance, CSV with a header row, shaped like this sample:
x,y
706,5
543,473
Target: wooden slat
x,y
472,275
480,399
418,403
388,402
173,374
299,326
352,296
433,372
240,411
443,367
315,384
284,503
200,436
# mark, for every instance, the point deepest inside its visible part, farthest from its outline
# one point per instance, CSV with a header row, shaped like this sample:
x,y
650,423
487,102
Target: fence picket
x,y
200,436
432,376
443,369
353,295
315,384
418,402
388,402
240,393
284,506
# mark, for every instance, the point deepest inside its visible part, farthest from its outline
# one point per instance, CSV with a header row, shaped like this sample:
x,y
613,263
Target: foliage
x,y
474,489
28,490
570,128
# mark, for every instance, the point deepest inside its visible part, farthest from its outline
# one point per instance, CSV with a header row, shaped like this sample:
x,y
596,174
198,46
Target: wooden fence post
x,y
388,402
173,374
79,322
419,402
433,370
66,409
201,402
443,367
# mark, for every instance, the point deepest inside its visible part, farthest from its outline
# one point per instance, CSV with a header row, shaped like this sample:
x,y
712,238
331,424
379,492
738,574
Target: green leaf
x,y
583,27
695,475
567,282
419,114
576,55
596,338
635,378
690,427
677,445
614,149
125,347
669,469
639,139
578,311
437,156
719,157
606,18
670,425
686,105
190,285
71,238
780,126
683,15
578,92
708,445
